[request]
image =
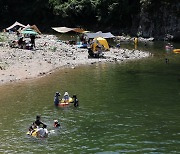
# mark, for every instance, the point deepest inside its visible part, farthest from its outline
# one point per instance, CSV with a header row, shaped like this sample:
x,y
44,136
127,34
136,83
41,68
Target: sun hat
x,y
66,93
55,120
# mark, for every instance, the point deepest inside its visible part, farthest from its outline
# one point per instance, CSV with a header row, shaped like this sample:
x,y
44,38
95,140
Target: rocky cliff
x,y
160,20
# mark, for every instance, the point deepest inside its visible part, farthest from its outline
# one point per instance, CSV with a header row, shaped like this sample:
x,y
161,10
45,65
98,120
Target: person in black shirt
x,y
76,102
38,121
32,37
56,98
36,125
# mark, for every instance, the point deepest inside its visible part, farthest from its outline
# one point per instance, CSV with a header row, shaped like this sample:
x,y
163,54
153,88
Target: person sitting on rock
x,y
21,42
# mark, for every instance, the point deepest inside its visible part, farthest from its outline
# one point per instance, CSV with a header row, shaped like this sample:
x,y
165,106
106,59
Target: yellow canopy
x,y
101,42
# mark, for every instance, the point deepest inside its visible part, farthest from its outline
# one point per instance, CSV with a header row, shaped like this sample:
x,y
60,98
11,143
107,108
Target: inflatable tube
x,y
70,100
64,102
34,134
176,50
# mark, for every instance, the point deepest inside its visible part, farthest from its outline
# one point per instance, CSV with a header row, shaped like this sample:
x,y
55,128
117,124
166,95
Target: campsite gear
x,y
67,29
107,35
33,27
29,31
81,45
98,46
176,50
100,42
15,26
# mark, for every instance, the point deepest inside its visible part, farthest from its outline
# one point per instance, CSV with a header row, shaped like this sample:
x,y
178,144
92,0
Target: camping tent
x,y
97,47
29,31
33,27
101,42
66,29
16,24
99,34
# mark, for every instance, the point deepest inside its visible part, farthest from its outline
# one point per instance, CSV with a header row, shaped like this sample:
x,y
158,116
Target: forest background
x,y
146,18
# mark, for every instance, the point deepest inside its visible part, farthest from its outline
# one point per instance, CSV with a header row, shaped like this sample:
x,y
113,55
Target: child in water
x,y
56,124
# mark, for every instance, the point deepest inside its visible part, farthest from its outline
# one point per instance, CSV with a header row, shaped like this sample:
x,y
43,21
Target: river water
x,y
132,107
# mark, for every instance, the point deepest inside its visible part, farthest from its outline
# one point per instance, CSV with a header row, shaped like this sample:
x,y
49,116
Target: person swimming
x,y
36,125
75,100
38,121
42,132
56,124
66,96
56,98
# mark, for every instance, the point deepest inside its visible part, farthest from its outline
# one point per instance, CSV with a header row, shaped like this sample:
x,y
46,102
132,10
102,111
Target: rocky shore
x,y
51,54
131,39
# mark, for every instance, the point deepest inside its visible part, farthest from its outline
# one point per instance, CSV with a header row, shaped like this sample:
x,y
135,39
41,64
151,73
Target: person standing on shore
x,y
32,37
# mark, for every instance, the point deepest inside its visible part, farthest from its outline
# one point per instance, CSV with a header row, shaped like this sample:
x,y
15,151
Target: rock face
x,y
160,19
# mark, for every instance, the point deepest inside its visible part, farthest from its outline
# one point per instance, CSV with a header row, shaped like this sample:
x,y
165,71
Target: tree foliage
x,y
109,13
69,12
112,14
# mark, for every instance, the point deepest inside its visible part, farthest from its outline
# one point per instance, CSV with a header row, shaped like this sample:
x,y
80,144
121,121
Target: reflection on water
x,y
124,108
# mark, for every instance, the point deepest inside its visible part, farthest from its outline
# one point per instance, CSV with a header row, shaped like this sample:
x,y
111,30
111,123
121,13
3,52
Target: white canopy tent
x,y
14,25
66,29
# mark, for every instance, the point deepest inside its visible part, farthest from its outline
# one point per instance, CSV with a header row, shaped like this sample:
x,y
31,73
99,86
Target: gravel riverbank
x,y
51,54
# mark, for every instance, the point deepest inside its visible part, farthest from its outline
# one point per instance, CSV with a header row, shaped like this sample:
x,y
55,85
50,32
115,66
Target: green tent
x,y
29,31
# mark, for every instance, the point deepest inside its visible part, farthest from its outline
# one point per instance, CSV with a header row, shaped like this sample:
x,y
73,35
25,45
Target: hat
x,y
55,121
66,93
58,94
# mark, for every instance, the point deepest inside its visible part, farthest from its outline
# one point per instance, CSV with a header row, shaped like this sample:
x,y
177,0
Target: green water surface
x,y
133,107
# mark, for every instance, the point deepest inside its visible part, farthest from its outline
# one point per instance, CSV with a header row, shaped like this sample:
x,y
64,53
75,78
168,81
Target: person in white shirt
x,y
42,132
66,96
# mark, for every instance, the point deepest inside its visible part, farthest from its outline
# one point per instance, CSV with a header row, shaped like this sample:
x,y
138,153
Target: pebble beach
x,y
51,54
